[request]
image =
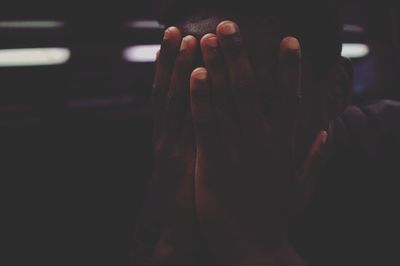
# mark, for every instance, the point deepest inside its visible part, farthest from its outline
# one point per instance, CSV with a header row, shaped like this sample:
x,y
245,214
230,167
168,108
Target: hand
x,y
170,203
245,181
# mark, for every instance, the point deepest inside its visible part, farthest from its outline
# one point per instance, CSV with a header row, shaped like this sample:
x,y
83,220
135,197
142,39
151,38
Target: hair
x,y
316,24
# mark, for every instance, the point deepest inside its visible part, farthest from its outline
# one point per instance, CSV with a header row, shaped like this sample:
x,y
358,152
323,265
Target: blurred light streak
x,y
34,24
353,28
141,53
33,57
355,50
145,24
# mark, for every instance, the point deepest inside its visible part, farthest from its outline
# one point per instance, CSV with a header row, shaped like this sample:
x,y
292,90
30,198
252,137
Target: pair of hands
x,y
224,168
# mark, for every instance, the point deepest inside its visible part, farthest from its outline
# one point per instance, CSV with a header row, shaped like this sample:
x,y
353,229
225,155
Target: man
x,y
244,103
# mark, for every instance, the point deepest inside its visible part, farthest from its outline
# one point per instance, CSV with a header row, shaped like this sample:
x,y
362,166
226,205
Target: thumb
x,y
304,184
312,165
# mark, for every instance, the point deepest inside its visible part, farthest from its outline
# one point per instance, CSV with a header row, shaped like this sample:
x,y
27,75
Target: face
x,y
262,38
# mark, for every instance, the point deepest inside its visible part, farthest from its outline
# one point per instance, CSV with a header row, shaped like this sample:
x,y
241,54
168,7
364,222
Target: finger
x,y
164,66
241,78
214,63
202,114
289,84
287,107
312,164
178,93
221,95
157,58
304,184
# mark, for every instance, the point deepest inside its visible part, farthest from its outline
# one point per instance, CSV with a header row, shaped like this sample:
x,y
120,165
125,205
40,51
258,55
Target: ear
x,y
340,86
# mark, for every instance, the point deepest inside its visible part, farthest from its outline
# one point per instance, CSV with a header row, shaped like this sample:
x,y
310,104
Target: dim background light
x,y
353,28
34,57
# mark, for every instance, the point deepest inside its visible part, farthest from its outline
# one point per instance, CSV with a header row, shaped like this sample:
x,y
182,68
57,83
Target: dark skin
x,y
172,183
237,177
229,168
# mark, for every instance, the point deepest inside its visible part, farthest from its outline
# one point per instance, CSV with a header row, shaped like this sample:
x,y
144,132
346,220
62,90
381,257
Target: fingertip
x,y
171,33
231,41
200,97
324,137
209,41
290,72
291,44
170,46
200,73
198,76
227,28
188,42
319,142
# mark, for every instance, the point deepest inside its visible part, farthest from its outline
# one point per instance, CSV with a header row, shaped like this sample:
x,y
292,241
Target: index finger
x,y
289,85
164,67
241,76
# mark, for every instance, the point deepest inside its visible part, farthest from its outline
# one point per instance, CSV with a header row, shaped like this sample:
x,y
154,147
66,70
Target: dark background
x,y
75,140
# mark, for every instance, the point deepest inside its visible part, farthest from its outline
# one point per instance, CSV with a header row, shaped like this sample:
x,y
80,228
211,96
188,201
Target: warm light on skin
x,y
141,53
34,24
355,50
34,57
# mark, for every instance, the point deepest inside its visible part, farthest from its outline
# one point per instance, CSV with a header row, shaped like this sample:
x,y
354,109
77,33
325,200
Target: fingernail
x,y
185,42
228,28
200,74
293,43
212,42
167,34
